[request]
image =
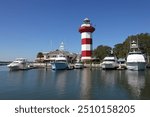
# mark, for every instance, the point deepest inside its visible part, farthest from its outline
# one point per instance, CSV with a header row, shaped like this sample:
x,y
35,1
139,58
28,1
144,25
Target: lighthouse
x,y
86,31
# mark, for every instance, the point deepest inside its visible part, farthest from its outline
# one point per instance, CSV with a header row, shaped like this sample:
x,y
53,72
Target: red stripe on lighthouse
x,y
86,41
86,29
87,53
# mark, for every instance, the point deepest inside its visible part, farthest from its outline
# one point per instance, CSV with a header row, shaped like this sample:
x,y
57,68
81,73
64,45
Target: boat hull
x,y
18,67
136,66
19,64
59,66
109,66
14,68
110,62
78,66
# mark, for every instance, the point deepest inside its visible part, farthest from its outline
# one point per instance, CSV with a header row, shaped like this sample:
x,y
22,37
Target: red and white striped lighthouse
x,y
86,31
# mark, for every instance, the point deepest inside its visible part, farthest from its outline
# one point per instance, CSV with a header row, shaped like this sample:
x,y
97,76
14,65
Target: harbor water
x,y
76,84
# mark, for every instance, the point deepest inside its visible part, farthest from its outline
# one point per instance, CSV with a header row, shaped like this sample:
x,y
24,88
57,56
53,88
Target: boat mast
x,y
137,43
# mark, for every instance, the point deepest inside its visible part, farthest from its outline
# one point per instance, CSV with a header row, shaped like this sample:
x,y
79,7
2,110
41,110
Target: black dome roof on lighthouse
x,y
86,21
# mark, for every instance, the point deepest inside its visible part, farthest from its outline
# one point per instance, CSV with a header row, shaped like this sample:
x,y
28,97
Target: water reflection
x,y
16,78
108,77
136,82
85,84
41,77
74,84
60,81
111,85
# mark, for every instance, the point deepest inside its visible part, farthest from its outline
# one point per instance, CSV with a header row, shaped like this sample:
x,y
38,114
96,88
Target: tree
x,y
40,55
143,39
101,52
122,49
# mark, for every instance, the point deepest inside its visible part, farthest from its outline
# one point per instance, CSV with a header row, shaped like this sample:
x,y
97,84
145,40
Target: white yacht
x,y
110,62
60,62
135,58
78,65
19,64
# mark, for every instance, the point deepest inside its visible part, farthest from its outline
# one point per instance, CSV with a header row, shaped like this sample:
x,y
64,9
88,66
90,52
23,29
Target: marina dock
x,y
4,62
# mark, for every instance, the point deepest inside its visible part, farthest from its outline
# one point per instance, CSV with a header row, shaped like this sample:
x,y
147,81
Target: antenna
x,y
130,41
137,42
61,47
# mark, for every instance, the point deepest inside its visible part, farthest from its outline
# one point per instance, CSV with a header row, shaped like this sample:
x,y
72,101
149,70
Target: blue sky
x,y
30,26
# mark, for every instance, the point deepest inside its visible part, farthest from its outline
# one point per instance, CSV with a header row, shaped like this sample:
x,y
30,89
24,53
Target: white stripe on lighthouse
x,y
86,47
86,35
87,25
85,58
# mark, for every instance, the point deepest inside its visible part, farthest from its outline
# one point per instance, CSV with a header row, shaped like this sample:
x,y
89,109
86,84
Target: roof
x,y
110,58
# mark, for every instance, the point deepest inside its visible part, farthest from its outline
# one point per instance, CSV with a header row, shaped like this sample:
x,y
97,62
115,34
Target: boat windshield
x,y
60,60
109,60
136,52
15,62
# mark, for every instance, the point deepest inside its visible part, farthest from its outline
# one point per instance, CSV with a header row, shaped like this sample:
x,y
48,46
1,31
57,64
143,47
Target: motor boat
x,y
135,58
121,64
60,63
19,64
78,65
110,62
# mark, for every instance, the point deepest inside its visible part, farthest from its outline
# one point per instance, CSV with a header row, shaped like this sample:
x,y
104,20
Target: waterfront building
x,y
51,56
86,31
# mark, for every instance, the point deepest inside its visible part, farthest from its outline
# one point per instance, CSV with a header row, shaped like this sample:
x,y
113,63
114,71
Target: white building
x,y
50,56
